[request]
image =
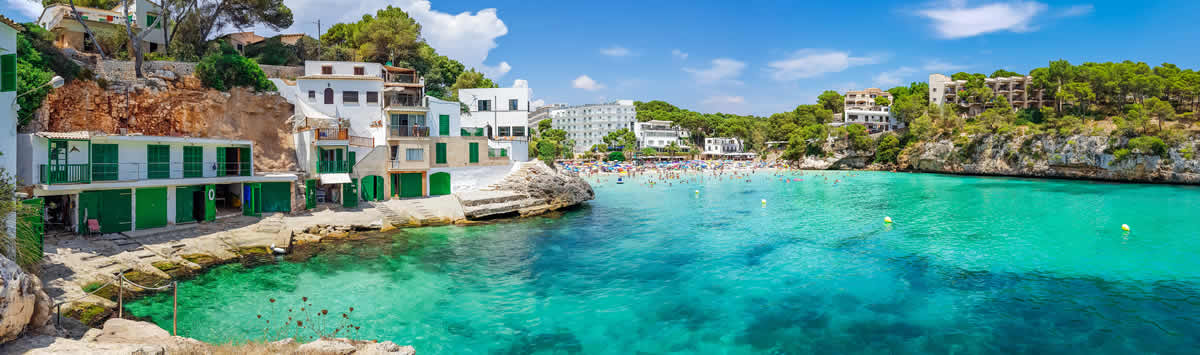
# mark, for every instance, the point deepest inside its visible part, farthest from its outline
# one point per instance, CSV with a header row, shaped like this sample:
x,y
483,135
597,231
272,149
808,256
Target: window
x,y
934,89
328,96
505,131
193,166
414,154
240,47
349,97
518,131
104,162
158,161
395,152
372,97
150,20
327,69
360,71
153,47
312,95
8,72
484,105
512,104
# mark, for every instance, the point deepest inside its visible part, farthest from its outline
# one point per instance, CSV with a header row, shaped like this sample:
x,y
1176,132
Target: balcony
x,y
472,132
333,166
103,172
404,102
408,131
336,134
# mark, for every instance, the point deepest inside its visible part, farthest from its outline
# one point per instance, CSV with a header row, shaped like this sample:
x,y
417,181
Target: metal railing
x,y
362,141
97,172
333,166
408,131
403,100
472,132
497,152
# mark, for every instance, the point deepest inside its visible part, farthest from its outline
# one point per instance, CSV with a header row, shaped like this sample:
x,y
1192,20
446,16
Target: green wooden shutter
x,y
158,158
193,162
350,162
8,72
220,161
440,150
244,159
443,125
474,152
104,162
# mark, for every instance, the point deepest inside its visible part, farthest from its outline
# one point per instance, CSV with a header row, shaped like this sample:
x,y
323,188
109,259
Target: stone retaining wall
x,y
115,70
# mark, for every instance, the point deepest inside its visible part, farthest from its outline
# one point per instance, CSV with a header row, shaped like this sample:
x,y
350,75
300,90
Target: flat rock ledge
x,y
122,336
531,189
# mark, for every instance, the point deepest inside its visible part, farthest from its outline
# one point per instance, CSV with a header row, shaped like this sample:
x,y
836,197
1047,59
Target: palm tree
x,y
672,148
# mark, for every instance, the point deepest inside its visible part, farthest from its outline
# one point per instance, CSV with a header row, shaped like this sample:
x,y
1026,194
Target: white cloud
x,y
585,82
807,63
537,103
31,9
616,51
940,66
955,20
679,54
1077,10
720,99
520,83
464,37
722,69
893,77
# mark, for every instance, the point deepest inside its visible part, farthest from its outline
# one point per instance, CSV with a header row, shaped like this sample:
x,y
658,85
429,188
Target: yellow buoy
x,y
764,201
1125,227
697,192
887,219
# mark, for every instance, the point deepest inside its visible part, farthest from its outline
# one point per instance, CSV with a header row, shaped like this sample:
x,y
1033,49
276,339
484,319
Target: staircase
x,y
390,216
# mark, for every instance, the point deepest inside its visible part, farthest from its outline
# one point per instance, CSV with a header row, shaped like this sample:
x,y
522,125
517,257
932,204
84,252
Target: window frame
x,y
408,154
372,97
327,69
514,104
350,97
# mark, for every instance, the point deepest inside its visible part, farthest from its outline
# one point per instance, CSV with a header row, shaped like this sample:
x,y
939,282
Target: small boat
x,y
619,181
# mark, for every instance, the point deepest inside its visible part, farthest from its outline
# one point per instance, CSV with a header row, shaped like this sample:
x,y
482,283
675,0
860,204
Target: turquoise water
x,y
971,265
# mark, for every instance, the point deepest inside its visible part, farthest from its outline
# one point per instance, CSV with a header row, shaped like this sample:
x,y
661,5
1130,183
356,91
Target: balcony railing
x,y
66,173
472,132
408,131
333,166
403,100
98,172
337,134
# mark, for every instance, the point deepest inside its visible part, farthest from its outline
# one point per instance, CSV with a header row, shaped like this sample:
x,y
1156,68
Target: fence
x,y
120,284
85,173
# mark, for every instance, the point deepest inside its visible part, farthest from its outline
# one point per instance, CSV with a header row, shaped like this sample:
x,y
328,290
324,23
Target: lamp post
x,y
56,82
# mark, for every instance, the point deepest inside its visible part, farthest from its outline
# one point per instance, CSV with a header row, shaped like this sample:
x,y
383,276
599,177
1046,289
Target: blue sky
x,y
760,57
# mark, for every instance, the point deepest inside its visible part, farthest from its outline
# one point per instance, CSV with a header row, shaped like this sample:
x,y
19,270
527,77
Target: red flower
x,y
352,309
324,311
272,300
259,316
300,323
304,299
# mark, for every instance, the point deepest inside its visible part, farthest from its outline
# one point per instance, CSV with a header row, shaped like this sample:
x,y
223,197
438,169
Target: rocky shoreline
x,y
1077,157
84,269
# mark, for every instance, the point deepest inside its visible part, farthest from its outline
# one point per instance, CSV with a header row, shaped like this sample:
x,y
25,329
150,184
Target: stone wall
x,y
122,70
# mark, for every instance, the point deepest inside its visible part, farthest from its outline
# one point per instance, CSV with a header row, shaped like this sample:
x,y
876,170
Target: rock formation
x,y
532,188
23,304
170,105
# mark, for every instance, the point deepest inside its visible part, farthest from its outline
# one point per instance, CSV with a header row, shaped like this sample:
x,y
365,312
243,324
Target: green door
x,y
443,125
185,203
350,194
310,194
116,214
244,159
350,161
395,184
31,232
474,152
104,162
439,184
372,188
151,207
440,151
210,202
276,197
251,202
410,185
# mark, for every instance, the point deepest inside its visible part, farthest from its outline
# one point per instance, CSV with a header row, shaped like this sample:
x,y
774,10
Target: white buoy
x,y
764,201
1125,227
887,219
697,192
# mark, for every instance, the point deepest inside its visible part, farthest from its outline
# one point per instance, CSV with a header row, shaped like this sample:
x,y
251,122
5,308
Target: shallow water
x,y
971,265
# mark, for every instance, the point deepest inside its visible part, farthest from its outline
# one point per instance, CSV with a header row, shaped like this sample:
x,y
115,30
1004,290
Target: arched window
x,y
328,96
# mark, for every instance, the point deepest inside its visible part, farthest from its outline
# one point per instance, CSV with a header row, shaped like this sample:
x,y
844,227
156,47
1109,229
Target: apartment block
x,y
861,108
543,113
659,134
501,115
1018,90
589,124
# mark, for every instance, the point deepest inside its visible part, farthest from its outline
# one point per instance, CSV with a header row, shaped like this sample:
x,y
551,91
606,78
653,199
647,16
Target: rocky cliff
x,y
531,189
23,304
169,105
1072,157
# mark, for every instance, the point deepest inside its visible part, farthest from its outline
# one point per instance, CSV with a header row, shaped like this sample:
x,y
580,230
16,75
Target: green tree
x,y
888,148
544,125
208,16
832,101
391,36
1159,110
1001,73
229,69
621,138
672,148
882,101
470,79
647,152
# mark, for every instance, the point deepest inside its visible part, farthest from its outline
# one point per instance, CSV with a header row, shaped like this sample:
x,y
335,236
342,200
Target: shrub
x,y
889,149
1148,145
1120,155
616,156
228,69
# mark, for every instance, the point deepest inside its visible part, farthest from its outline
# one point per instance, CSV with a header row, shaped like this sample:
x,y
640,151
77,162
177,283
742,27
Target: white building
x,y
542,113
8,111
502,114
659,134
366,131
860,108
101,183
1018,90
589,124
718,147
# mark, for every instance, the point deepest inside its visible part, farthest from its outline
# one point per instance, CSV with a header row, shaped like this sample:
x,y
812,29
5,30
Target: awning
x,y
335,178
